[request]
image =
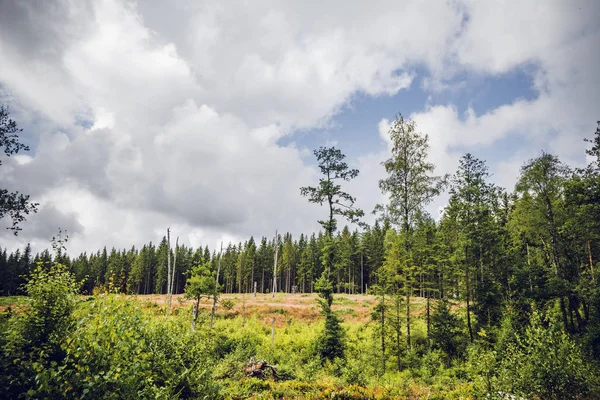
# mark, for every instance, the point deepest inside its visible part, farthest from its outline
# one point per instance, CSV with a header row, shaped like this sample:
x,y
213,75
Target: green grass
x,y
12,301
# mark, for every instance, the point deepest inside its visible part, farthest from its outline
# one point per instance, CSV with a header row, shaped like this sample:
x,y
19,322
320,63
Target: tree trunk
x,y
195,312
383,331
468,295
272,335
362,286
563,310
214,306
408,317
398,330
168,271
589,246
275,266
428,321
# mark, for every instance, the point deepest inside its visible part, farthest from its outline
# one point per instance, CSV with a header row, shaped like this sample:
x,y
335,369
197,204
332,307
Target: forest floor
x,y
301,307
352,308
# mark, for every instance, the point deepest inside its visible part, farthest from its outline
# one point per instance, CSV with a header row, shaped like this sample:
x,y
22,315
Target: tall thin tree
x,y
411,184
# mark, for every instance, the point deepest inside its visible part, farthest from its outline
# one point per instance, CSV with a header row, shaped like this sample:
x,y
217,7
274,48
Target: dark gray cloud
x,y
43,29
43,225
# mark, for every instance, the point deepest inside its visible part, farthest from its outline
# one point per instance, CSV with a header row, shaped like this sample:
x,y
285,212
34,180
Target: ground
x,y
353,308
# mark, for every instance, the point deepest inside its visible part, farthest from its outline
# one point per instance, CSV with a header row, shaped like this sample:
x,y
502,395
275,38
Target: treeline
x,y
490,246
144,271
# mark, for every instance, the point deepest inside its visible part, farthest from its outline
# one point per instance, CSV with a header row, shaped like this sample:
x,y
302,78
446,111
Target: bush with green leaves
x,y
542,362
31,342
548,363
118,351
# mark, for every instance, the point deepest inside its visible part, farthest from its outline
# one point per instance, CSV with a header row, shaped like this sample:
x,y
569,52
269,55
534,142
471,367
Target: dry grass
x,y
283,307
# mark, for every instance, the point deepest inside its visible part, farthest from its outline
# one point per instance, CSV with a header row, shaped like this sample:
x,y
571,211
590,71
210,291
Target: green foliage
x,y
446,334
227,304
330,344
13,204
410,184
543,362
334,169
103,348
118,351
497,255
53,297
201,283
31,342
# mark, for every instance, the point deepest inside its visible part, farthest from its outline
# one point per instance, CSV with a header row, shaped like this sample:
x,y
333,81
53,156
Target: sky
x,y
202,116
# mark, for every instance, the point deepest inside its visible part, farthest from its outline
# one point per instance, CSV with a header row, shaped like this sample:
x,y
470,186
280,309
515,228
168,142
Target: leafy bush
x,y
118,351
227,304
544,362
31,342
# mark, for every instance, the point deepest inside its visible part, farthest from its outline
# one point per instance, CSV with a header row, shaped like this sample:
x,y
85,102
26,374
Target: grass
x,y
290,346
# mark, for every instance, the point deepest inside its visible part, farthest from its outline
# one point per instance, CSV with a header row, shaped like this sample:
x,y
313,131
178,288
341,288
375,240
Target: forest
x,y
495,298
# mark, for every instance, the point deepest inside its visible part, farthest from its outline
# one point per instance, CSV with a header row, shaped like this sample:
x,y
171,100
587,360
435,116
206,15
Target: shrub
x,y
118,351
227,304
543,362
31,342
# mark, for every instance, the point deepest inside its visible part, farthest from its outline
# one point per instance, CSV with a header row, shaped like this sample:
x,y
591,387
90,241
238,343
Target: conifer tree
x,y
411,184
334,169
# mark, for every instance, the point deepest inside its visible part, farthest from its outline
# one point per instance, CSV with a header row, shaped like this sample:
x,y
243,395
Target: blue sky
x,y
354,128
200,116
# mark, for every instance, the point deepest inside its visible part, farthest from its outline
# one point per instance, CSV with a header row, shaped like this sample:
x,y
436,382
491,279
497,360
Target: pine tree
x,y
334,169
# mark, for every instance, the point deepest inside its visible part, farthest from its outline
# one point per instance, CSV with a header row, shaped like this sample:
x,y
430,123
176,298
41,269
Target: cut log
x,y
257,369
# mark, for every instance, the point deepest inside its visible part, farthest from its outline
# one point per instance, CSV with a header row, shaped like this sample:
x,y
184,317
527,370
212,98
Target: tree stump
x,y
257,369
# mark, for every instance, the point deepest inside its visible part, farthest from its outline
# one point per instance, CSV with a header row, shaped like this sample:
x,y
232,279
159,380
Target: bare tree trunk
x,y
243,310
168,270
362,274
383,331
589,246
398,329
428,320
252,278
195,312
408,316
468,295
172,278
272,335
481,262
212,314
275,267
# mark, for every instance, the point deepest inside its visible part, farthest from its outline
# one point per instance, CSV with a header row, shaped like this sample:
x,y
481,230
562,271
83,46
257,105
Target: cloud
x,y
150,114
556,120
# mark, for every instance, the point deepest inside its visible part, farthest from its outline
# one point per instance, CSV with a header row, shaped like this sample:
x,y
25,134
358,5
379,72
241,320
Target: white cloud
x,y
187,102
